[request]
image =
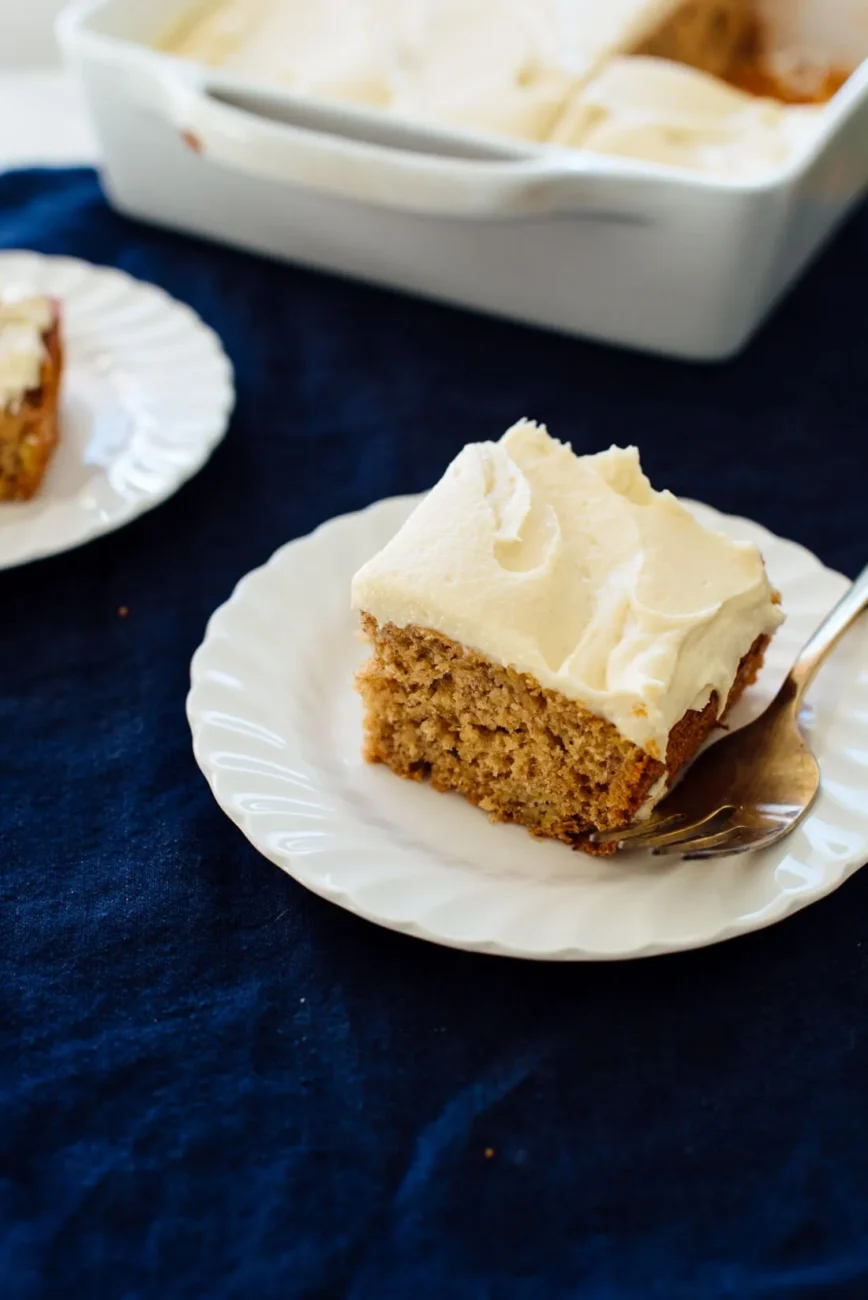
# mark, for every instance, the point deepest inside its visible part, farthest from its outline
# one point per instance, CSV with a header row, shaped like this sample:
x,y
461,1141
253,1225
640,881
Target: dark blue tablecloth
x,y
214,1085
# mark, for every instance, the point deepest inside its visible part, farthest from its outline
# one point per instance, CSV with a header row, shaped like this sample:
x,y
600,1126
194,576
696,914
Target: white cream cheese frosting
x,y
503,65
575,571
326,48
485,65
24,318
664,112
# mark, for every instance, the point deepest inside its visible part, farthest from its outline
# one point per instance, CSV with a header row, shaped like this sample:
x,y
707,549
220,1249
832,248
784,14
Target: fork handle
x,y
826,637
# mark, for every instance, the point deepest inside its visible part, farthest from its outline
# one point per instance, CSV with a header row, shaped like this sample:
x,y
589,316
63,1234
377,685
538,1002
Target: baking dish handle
x,y
388,175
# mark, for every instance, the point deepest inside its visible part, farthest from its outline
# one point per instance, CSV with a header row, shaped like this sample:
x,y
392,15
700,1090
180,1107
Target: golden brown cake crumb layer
x,y
707,36
435,710
29,435
727,39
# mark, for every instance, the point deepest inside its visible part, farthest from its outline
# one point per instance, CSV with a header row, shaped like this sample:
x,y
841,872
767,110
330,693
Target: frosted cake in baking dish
x,y
552,638
530,68
500,65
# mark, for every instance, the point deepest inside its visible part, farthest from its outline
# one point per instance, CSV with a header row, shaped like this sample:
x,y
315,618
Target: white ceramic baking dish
x,y
618,250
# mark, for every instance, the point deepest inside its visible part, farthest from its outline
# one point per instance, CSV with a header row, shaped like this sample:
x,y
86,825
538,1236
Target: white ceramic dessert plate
x,y
277,731
147,395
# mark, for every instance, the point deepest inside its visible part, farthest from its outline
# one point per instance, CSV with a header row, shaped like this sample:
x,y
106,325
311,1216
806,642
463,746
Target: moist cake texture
x,y
709,35
435,710
553,639
31,364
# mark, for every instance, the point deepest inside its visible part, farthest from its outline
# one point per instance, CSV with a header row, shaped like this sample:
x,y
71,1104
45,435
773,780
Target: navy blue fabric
x,y
214,1085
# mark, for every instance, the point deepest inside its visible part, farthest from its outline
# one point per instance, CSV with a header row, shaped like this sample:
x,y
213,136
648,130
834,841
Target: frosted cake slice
x,y
552,638
31,363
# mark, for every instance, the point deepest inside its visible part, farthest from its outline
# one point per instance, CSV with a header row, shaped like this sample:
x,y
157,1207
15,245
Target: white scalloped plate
x,y
147,395
277,729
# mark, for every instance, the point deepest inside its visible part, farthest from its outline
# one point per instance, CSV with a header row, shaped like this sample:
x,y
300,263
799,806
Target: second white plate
x,y
147,395
277,731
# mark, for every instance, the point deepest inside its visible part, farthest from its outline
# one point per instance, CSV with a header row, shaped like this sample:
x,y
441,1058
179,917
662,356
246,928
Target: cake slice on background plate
x,y
31,365
552,638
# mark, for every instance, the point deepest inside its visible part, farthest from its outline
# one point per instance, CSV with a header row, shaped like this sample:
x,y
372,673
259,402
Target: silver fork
x,y
753,787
